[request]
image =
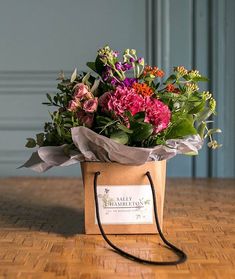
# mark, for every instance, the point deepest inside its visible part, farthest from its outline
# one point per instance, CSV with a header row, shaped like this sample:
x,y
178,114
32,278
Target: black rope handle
x,y
182,256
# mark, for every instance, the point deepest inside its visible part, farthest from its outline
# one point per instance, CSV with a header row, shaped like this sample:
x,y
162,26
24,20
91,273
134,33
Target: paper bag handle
x,y
182,256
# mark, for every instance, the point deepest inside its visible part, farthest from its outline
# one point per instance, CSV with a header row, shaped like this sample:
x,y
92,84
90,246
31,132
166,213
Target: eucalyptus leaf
x,y
95,86
86,78
31,143
74,75
49,97
40,139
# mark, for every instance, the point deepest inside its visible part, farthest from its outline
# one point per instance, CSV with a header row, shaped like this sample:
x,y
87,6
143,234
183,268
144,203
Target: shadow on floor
x,y
33,215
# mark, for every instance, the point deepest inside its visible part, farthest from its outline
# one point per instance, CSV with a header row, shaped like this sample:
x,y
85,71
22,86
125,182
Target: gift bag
x,y
124,197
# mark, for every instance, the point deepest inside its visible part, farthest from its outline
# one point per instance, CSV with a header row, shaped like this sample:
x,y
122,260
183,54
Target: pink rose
x,y
81,90
104,99
85,118
90,105
73,105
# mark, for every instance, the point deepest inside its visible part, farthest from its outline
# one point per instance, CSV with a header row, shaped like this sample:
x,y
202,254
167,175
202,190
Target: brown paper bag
x,y
124,196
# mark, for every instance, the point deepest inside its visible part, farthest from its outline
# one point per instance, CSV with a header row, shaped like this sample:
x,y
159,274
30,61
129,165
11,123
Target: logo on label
x,y
125,204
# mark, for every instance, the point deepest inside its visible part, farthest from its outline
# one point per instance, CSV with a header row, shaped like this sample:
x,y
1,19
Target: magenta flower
x,y
157,113
90,105
125,99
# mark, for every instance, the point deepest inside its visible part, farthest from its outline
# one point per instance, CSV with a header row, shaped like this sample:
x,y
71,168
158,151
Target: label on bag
x,y
125,204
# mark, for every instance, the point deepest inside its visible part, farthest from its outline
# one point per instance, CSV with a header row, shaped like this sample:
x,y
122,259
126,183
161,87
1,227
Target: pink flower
x,y
73,105
90,105
81,90
157,113
86,119
104,99
125,99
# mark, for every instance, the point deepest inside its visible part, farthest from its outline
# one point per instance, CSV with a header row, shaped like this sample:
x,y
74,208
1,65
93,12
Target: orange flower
x,y
148,70
171,88
142,89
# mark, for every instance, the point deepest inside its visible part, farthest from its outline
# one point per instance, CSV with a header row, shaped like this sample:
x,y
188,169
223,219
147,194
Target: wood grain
x,y
42,234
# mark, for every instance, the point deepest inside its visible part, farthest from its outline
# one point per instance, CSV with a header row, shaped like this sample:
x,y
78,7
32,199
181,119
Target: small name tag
x,y
125,204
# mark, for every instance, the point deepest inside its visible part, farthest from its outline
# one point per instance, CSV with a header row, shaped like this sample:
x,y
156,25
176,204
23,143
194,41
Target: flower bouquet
x,y
123,121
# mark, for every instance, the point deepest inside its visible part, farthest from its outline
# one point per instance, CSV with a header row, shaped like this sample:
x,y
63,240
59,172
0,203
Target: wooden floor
x,y
42,235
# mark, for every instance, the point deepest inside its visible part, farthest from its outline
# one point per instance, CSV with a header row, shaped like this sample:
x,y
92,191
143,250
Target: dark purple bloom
x,y
118,66
107,73
129,81
126,66
132,60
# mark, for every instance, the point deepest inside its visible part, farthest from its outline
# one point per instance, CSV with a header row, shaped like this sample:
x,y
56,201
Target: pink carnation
x,y
90,105
157,113
81,90
125,99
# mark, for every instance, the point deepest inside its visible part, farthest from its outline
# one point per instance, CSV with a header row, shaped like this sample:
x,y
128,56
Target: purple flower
x,y
126,66
140,60
118,66
114,81
132,60
129,81
115,53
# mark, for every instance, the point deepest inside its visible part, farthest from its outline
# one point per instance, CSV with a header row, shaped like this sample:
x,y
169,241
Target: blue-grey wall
x,y
39,38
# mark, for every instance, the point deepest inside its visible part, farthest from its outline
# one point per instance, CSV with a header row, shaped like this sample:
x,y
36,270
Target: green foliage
x,y
180,129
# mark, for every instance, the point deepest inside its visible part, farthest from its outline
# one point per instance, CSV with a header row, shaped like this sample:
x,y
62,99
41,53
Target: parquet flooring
x,y
42,235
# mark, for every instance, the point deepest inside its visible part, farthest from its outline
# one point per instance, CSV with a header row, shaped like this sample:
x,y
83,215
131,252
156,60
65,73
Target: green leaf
x,y
197,108
103,120
120,137
95,86
203,115
196,79
213,131
40,139
99,65
86,78
201,129
74,75
140,116
91,65
124,128
181,129
170,79
141,131
68,125
49,97
31,143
